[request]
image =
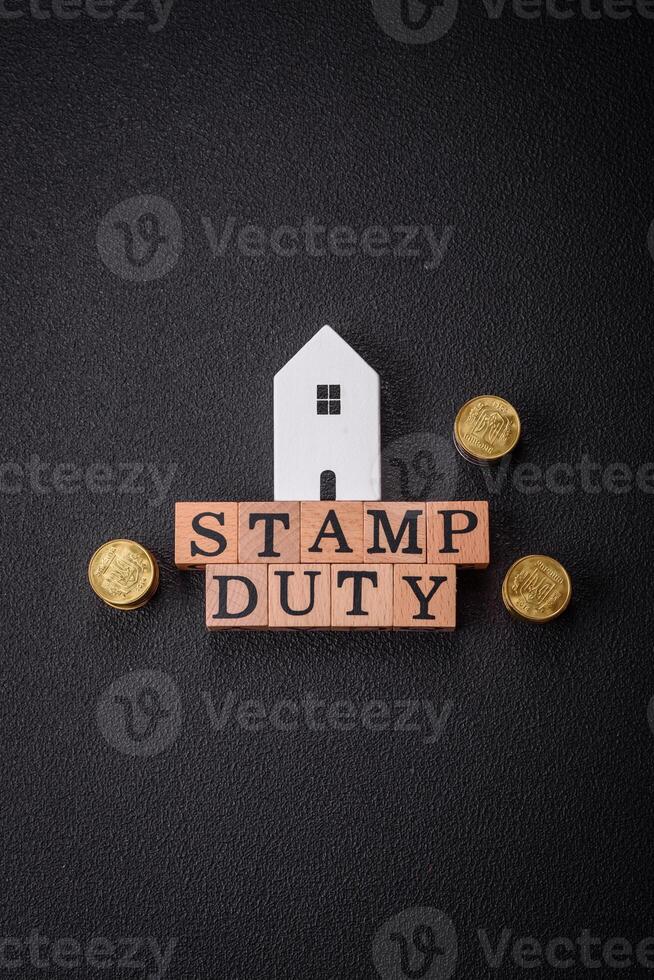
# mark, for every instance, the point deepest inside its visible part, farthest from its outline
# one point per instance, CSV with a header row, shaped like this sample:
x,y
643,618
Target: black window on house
x,y
329,399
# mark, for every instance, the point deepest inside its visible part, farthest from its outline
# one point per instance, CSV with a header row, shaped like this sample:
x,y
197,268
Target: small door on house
x,y
328,485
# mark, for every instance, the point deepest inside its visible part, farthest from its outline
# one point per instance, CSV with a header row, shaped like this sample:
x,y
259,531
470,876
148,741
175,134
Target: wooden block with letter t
x,y
205,533
458,533
362,596
331,531
424,597
394,532
236,597
299,596
269,532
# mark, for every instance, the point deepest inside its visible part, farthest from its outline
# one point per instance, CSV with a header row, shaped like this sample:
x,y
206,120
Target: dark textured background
x,y
281,854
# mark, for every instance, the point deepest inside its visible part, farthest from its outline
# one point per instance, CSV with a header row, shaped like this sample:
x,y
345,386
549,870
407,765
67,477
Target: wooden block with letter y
x,y
331,531
458,533
424,597
269,532
205,533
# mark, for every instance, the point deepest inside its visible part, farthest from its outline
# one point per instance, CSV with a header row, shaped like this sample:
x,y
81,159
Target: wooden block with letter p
x,y
458,533
299,596
394,532
362,596
269,532
205,533
236,597
331,531
424,597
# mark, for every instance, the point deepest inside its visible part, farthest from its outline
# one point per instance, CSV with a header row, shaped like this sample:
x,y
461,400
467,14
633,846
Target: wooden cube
x,y
458,533
394,532
205,534
236,597
362,596
424,597
269,532
331,531
299,596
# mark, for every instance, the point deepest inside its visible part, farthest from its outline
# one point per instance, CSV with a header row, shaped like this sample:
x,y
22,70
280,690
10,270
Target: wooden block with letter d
x,y
458,533
299,596
205,533
394,532
269,532
362,596
424,597
236,597
331,531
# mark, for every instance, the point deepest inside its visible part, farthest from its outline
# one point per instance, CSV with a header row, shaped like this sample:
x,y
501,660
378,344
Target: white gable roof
x,y
326,350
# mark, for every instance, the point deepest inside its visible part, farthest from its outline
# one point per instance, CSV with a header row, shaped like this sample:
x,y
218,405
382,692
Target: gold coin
x,y
537,589
486,428
123,574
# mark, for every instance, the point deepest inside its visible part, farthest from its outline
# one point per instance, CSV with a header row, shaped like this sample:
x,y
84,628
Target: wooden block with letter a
x,y
458,533
269,532
331,531
424,597
362,596
236,597
299,596
394,532
205,533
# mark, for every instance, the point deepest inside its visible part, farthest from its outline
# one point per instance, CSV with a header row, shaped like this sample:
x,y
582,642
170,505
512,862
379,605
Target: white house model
x,y
327,429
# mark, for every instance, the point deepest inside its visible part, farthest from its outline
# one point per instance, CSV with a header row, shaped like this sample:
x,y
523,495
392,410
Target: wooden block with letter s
x,y
458,533
205,533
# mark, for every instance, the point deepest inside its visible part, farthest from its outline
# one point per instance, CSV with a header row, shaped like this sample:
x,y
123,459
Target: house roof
x,y
325,344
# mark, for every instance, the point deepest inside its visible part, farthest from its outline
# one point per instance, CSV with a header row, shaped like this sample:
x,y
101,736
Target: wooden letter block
x,y
299,596
424,597
332,531
269,532
458,533
362,597
205,533
236,597
394,532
